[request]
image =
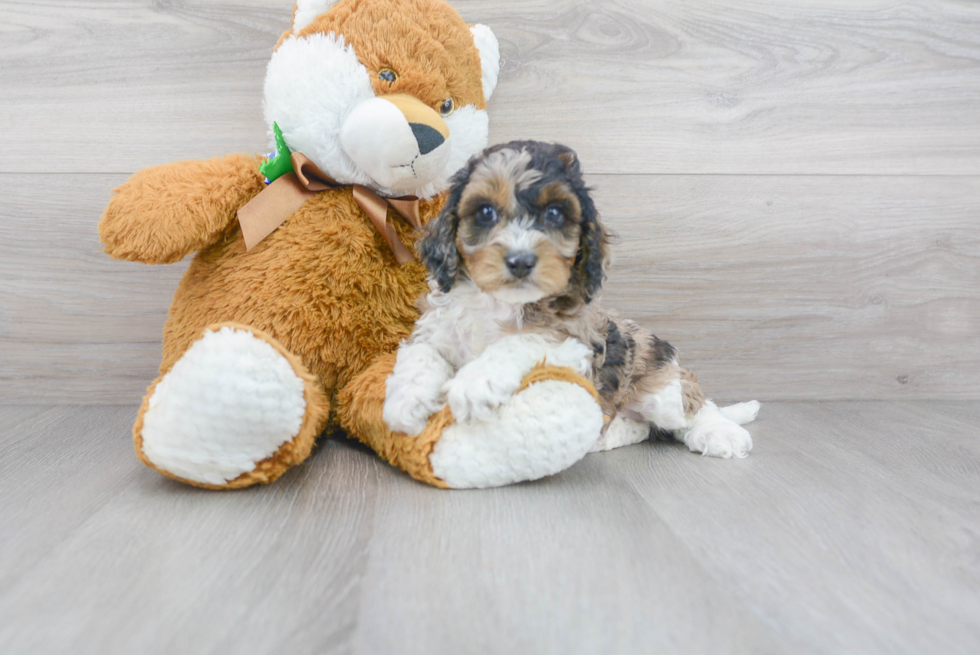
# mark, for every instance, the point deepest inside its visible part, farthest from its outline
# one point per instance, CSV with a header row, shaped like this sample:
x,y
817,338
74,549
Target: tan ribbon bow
x,y
278,201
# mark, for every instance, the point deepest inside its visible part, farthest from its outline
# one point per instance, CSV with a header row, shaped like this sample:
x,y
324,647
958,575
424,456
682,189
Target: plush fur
x,y
531,436
322,295
208,457
323,80
517,258
390,94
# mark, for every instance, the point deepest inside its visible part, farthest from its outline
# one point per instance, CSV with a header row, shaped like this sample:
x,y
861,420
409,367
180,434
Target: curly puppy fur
x,y
519,252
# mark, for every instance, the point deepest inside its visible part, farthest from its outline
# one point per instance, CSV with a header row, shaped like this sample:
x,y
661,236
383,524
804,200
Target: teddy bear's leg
x,y
360,405
236,409
548,425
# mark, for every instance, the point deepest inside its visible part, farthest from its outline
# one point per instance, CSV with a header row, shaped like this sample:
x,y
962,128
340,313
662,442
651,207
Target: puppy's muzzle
x,y
520,264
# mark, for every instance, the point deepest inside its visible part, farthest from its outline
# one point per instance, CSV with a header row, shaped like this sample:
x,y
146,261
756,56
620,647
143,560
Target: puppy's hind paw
x,y
714,434
720,441
741,413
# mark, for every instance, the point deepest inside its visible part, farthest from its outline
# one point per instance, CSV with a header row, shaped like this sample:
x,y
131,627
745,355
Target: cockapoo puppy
x,y
516,259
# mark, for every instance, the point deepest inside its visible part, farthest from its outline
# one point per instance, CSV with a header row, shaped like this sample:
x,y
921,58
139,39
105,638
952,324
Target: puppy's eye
x,y
387,75
448,107
485,216
554,216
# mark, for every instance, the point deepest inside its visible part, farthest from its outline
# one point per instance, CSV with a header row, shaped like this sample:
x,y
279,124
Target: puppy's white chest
x,y
464,322
476,330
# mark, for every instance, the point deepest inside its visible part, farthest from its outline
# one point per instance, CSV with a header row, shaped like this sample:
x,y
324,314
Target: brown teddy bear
x,y
304,283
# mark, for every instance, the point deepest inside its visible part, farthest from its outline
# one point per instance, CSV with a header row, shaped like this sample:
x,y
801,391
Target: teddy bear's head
x,y
389,94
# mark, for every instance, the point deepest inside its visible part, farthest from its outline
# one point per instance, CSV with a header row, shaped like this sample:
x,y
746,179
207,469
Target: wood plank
x,y
785,287
849,529
576,563
868,507
772,287
68,313
108,86
638,86
59,465
18,419
160,567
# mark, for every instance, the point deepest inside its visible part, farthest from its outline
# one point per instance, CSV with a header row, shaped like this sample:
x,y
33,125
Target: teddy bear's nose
x,y
427,137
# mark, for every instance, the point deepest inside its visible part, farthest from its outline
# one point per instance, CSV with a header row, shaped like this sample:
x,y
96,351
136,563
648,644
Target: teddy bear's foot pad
x,y
540,431
230,401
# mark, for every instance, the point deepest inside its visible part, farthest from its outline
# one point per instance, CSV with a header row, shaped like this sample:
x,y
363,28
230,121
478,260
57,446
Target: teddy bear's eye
x,y
387,75
447,107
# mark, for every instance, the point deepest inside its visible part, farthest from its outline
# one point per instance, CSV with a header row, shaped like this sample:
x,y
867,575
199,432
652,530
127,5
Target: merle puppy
x,y
517,258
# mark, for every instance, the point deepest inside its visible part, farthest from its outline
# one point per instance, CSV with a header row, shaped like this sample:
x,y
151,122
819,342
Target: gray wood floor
x,y
796,187
852,528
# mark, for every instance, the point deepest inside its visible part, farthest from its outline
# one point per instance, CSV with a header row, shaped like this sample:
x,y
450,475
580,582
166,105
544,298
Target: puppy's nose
x,y
427,137
520,264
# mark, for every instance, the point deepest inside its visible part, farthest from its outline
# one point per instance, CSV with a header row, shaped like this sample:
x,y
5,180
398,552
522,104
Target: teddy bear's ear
x,y
486,43
306,12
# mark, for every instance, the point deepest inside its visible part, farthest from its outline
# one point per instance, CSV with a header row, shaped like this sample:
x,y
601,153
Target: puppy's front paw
x,y
477,390
719,437
407,407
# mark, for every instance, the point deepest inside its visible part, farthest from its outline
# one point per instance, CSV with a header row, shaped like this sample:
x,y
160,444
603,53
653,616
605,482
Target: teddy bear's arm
x,y
163,213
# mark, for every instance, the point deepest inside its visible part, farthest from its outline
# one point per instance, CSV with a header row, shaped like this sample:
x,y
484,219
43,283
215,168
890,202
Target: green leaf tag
x,y
281,163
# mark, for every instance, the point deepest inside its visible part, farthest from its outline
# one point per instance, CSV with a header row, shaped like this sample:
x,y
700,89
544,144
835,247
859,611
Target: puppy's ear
x,y
570,160
590,263
437,247
593,252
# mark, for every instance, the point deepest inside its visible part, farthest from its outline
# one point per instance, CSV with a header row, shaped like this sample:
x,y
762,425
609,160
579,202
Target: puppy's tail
x,y
741,413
